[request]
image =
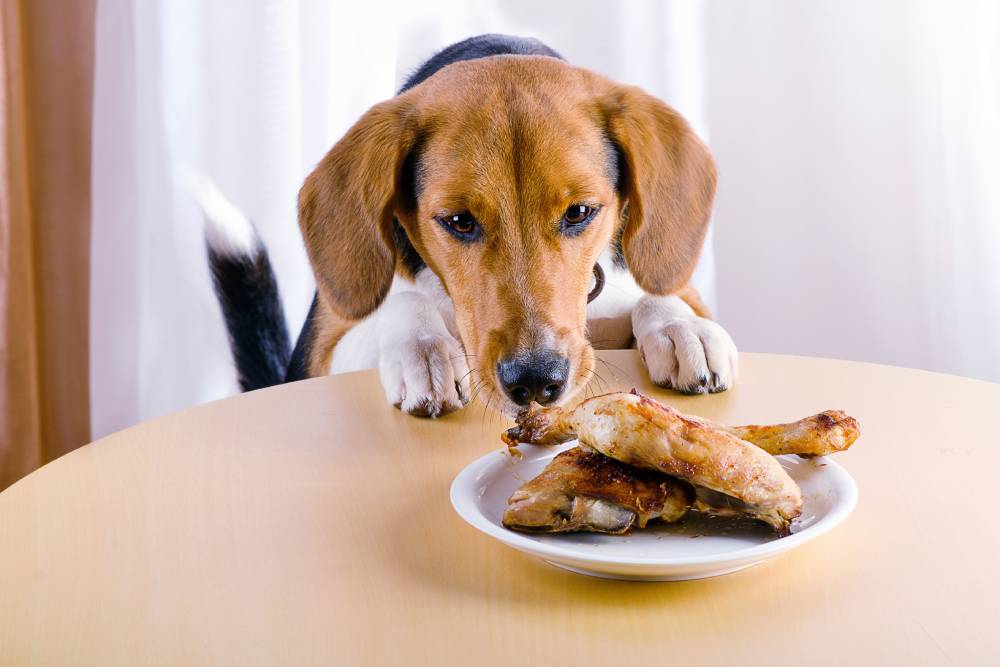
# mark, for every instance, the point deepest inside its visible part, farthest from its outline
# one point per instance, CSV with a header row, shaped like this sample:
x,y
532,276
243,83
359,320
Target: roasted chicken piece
x,y
641,432
822,434
582,490
826,433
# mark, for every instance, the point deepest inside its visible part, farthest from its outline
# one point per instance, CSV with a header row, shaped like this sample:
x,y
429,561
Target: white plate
x,y
695,548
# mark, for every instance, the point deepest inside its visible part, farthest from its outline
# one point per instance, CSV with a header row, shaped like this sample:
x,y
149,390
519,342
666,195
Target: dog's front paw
x,y
427,376
690,354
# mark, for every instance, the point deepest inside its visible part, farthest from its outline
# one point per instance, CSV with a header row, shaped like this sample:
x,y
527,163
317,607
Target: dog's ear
x,y
346,206
667,182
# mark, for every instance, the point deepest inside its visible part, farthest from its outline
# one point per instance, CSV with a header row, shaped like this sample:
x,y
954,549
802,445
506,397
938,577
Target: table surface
x,y
310,524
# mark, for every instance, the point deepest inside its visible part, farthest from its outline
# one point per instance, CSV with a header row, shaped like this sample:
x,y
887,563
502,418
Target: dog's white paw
x,y
693,355
427,376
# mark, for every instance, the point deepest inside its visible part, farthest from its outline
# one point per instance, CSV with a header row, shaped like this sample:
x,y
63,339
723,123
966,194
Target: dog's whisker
x,y
588,388
604,340
611,367
597,377
614,376
462,379
493,414
610,364
588,378
483,386
482,416
480,384
487,408
595,374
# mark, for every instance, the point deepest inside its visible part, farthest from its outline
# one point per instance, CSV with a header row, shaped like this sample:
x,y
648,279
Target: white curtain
x,y
252,94
858,214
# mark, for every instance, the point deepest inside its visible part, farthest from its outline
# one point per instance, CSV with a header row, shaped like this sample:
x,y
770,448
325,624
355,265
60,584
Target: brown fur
x,y
514,140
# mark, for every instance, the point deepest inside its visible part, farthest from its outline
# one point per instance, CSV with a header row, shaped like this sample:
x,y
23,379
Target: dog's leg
x,y
681,350
410,340
422,365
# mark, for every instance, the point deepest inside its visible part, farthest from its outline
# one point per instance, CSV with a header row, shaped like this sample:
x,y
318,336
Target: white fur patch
x,y
422,365
228,231
681,350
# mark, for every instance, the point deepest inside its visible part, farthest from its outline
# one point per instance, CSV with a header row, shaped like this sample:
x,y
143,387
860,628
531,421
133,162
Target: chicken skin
x,y
641,432
582,490
827,433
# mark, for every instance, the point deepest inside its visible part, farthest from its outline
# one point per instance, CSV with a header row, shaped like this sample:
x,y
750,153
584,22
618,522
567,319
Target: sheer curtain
x,y
858,213
251,95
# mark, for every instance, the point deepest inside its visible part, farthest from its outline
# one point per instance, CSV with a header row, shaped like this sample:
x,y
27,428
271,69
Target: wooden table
x,y
310,524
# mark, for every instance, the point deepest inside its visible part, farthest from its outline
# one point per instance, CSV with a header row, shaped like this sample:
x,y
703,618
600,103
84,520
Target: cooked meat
x,y
639,431
582,490
826,433
713,503
822,434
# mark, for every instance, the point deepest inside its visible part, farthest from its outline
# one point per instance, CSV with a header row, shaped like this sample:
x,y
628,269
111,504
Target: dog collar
x,y
598,283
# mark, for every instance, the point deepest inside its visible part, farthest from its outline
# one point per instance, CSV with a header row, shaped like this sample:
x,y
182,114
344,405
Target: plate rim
x,y
466,507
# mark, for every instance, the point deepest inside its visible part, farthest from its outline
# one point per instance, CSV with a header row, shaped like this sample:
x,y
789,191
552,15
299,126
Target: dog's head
x,y
510,175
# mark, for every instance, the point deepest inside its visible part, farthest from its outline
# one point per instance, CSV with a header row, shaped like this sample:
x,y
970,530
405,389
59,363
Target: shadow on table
x,y
487,569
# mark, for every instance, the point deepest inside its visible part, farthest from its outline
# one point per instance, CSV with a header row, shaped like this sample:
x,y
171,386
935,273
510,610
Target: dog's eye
x,y
577,216
461,225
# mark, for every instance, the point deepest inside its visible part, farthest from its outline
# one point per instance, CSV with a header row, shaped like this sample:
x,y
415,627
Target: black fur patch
x,y
618,172
298,367
412,260
410,187
617,251
410,180
480,46
255,321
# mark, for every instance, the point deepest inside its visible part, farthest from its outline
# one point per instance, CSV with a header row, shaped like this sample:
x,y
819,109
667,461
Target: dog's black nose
x,y
538,376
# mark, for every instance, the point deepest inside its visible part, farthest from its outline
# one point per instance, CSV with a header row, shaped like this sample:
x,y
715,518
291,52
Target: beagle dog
x,y
482,232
